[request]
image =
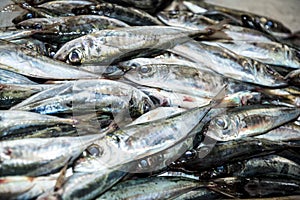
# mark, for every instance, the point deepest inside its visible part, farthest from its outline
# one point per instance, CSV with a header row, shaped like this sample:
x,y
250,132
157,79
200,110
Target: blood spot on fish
x,y
189,99
7,151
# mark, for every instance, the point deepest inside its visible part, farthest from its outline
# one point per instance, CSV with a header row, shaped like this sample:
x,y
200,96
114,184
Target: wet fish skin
x,y
64,6
15,34
266,166
40,47
289,132
129,147
24,61
221,153
257,187
185,19
129,15
267,52
151,188
273,26
185,79
86,185
25,187
64,29
122,101
20,124
9,77
222,32
38,156
238,68
12,94
249,121
108,46
151,6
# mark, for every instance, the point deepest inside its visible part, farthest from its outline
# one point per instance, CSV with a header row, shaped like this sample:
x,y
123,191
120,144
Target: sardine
x,y
92,97
269,53
86,186
151,188
129,15
157,136
64,29
222,153
249,121
266,166
20,124
25,187
27,62
107,46
230,65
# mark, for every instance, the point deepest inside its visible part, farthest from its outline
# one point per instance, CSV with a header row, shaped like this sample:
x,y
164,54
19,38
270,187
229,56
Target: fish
x,y
293,77
262,23
12,94
120,101
127,143
266,52
38,46
231,65
266,166
7,34
212,154
129,15
251,187
9,77
249,121
64,29
175,77
21,124
288,132
150,6
200,193
200,21
86,185
24,61
40,156
152,188
64,6
108,46
25,187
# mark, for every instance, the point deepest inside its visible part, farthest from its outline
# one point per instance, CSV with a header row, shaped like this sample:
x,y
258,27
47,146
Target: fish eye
x,y
37,26
269,24
146,106
173,12
75,57
110,69
95,150
28,16
144,69
222,123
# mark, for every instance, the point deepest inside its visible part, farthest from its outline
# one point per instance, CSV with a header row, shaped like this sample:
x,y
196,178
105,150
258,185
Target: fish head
x,y
142,73
139,104
223,128
37,23
272,25
73,52
25,16
263,73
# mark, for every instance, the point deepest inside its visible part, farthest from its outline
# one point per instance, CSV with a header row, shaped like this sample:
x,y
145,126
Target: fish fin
x,y
218,98
61,178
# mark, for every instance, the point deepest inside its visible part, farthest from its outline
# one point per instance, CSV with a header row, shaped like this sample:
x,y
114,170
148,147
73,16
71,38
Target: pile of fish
x,y
152,99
